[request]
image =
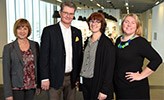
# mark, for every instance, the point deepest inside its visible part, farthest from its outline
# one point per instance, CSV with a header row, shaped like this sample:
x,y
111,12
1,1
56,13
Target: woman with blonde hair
x,y
130,81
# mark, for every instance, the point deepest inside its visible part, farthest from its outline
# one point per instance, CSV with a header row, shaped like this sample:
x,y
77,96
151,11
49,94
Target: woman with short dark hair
x,y
98,61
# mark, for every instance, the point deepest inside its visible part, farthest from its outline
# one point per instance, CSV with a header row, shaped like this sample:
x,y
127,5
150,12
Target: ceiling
x,y
135,6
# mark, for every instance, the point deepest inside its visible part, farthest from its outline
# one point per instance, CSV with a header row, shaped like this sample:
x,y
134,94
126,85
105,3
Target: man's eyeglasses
x,y
66,13
94,21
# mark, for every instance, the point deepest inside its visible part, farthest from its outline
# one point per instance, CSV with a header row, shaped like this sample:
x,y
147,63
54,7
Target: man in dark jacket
x,y
61,55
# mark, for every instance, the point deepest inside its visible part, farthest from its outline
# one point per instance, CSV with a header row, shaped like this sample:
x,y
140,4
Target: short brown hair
x,y
138,23
22,23
69,4
100,17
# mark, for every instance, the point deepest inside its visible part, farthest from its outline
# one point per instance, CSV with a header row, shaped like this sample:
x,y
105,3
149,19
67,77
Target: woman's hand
x,y
133,76
9,98
38,91
102,96
136,76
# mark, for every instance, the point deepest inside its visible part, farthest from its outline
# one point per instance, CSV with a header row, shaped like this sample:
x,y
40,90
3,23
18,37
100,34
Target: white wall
x,y
157,78
3,32
146,20
158,28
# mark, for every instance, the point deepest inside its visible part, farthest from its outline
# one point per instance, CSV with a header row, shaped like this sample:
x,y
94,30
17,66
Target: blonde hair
x,y
138,23
22,23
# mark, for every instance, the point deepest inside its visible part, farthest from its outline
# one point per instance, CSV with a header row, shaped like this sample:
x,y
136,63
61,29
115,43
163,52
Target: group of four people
x,y
62,63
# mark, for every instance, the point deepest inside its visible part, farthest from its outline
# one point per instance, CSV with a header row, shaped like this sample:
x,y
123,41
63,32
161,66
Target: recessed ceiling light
x,y
98,4
126,4
108,1
157,3
59,0
127,8
78,7
102,7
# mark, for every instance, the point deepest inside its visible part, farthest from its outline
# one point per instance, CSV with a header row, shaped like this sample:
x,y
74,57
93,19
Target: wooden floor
x,y
42,96
156,87
1,93
157,93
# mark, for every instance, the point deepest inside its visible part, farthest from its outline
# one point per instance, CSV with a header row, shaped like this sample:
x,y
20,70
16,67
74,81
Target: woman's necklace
x,y
121,45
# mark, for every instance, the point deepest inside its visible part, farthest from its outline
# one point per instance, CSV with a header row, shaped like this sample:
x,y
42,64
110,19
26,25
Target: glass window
x,y
11,16
37,12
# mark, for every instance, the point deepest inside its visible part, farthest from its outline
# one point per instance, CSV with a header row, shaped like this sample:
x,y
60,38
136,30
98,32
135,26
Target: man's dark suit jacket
x,y
53,55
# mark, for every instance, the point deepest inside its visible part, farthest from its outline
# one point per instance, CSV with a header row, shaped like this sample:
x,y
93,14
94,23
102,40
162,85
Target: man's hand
x,y
45,85
102,96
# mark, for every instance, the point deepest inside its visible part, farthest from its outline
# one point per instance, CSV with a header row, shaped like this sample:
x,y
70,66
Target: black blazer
x,y
104,68
13,65
53,55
